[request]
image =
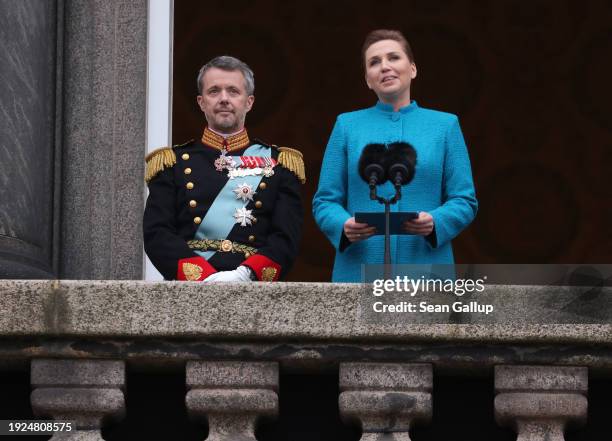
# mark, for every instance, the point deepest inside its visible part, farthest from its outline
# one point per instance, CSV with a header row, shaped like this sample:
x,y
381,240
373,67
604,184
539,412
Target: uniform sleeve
x,y
460,205
166,249
329,202
276,256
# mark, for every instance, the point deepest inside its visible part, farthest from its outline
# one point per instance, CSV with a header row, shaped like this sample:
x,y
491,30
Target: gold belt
x,y
226,246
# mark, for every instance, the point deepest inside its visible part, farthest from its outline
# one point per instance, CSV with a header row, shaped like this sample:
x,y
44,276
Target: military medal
x,y
244,191
224,162
244,217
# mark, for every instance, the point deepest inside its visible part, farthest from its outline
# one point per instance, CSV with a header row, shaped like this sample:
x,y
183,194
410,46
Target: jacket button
x,y
251,238
189,185
185,156
263,186
187,171
197,220
192,203
258,204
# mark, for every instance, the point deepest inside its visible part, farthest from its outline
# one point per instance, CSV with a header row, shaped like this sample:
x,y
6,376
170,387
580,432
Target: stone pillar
x,y
540,401
72,138
89,392
104,133
232,396
386,399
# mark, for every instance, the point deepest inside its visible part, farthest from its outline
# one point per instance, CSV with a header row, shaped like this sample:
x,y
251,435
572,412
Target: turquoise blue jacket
x,y
442,185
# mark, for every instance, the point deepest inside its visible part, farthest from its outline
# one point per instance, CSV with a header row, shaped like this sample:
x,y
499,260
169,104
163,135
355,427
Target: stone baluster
x,y
538,402
232,396
386,399
88,392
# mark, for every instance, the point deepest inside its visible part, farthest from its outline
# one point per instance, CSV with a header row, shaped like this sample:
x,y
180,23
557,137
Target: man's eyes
x,y
233,92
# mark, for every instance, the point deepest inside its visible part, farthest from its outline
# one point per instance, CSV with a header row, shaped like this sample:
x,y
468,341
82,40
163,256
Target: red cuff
x,y
266,269
194,269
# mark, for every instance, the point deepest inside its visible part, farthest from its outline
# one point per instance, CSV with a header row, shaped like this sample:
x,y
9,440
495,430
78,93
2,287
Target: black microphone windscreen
x,y
372,154
404,154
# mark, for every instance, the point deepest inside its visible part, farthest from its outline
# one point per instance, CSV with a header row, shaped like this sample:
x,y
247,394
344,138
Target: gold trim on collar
x,y
231,143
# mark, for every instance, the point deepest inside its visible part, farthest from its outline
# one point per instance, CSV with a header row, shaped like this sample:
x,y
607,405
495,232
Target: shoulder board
x,y
161,159
293,160
158,160
185,144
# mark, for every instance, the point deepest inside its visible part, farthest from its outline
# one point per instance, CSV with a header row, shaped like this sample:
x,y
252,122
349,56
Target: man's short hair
x,y
386,34
229,63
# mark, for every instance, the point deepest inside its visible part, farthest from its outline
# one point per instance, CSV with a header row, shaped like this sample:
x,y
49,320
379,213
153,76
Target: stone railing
x,y
234,339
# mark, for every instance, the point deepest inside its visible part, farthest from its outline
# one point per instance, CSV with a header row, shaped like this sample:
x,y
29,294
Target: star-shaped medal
x,y
244,217
268,171
244,191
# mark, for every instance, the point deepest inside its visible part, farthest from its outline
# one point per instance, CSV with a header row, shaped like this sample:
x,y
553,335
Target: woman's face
x,y
389,71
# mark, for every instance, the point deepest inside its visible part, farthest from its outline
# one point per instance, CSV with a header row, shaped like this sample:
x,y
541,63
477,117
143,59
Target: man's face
x,y
224,100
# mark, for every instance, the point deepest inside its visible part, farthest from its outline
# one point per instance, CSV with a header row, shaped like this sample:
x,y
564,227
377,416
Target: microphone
x,y
371,165
400,162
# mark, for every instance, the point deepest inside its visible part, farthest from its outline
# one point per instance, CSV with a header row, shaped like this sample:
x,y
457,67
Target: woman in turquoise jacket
x,y
442,190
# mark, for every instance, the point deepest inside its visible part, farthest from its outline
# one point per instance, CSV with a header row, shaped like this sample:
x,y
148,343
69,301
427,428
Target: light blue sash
x,y
219,219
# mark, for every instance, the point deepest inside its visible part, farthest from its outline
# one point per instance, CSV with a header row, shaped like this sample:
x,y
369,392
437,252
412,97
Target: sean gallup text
x,y
426,307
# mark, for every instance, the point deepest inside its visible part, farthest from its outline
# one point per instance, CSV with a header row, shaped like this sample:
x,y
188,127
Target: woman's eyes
x,y
390,58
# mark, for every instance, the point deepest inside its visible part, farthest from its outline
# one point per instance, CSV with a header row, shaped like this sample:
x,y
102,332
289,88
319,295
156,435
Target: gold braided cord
x,y
158,160
293,160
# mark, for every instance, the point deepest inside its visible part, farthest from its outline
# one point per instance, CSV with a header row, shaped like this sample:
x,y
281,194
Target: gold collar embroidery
x,y
235,142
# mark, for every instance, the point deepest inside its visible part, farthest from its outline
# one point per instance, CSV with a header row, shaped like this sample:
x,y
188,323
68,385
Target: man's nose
x,y
224,96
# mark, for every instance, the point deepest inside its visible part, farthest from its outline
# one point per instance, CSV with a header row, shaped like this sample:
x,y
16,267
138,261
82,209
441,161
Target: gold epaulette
x,y
293,160
158,160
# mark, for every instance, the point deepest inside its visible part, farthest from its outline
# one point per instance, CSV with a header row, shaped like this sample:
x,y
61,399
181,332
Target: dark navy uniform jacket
x,y
180,196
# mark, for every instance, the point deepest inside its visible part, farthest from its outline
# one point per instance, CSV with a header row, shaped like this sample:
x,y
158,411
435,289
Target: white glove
x,y
240,274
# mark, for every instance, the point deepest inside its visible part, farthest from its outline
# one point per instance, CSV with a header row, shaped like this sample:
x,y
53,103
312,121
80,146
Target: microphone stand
x,y
387,203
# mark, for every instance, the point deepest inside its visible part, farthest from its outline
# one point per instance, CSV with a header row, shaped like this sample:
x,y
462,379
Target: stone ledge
x,y
272,311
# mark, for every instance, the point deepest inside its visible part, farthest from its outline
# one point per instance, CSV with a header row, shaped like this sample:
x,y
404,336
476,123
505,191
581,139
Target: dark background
x,y
530,82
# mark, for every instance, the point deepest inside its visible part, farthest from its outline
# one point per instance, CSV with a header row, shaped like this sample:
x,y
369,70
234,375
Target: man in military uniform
x,y
225,207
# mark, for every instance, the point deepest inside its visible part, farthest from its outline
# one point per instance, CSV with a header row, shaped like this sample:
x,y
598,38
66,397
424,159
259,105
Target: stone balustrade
x,y
231,341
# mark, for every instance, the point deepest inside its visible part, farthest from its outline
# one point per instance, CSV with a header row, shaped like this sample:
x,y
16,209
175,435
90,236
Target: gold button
x,y
254,220
187,171
262,186
192,203
227,245
189,185
258,204
251,238
197,220
185,156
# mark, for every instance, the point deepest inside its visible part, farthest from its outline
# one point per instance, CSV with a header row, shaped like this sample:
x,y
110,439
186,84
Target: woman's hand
x,y
355,231
422,225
